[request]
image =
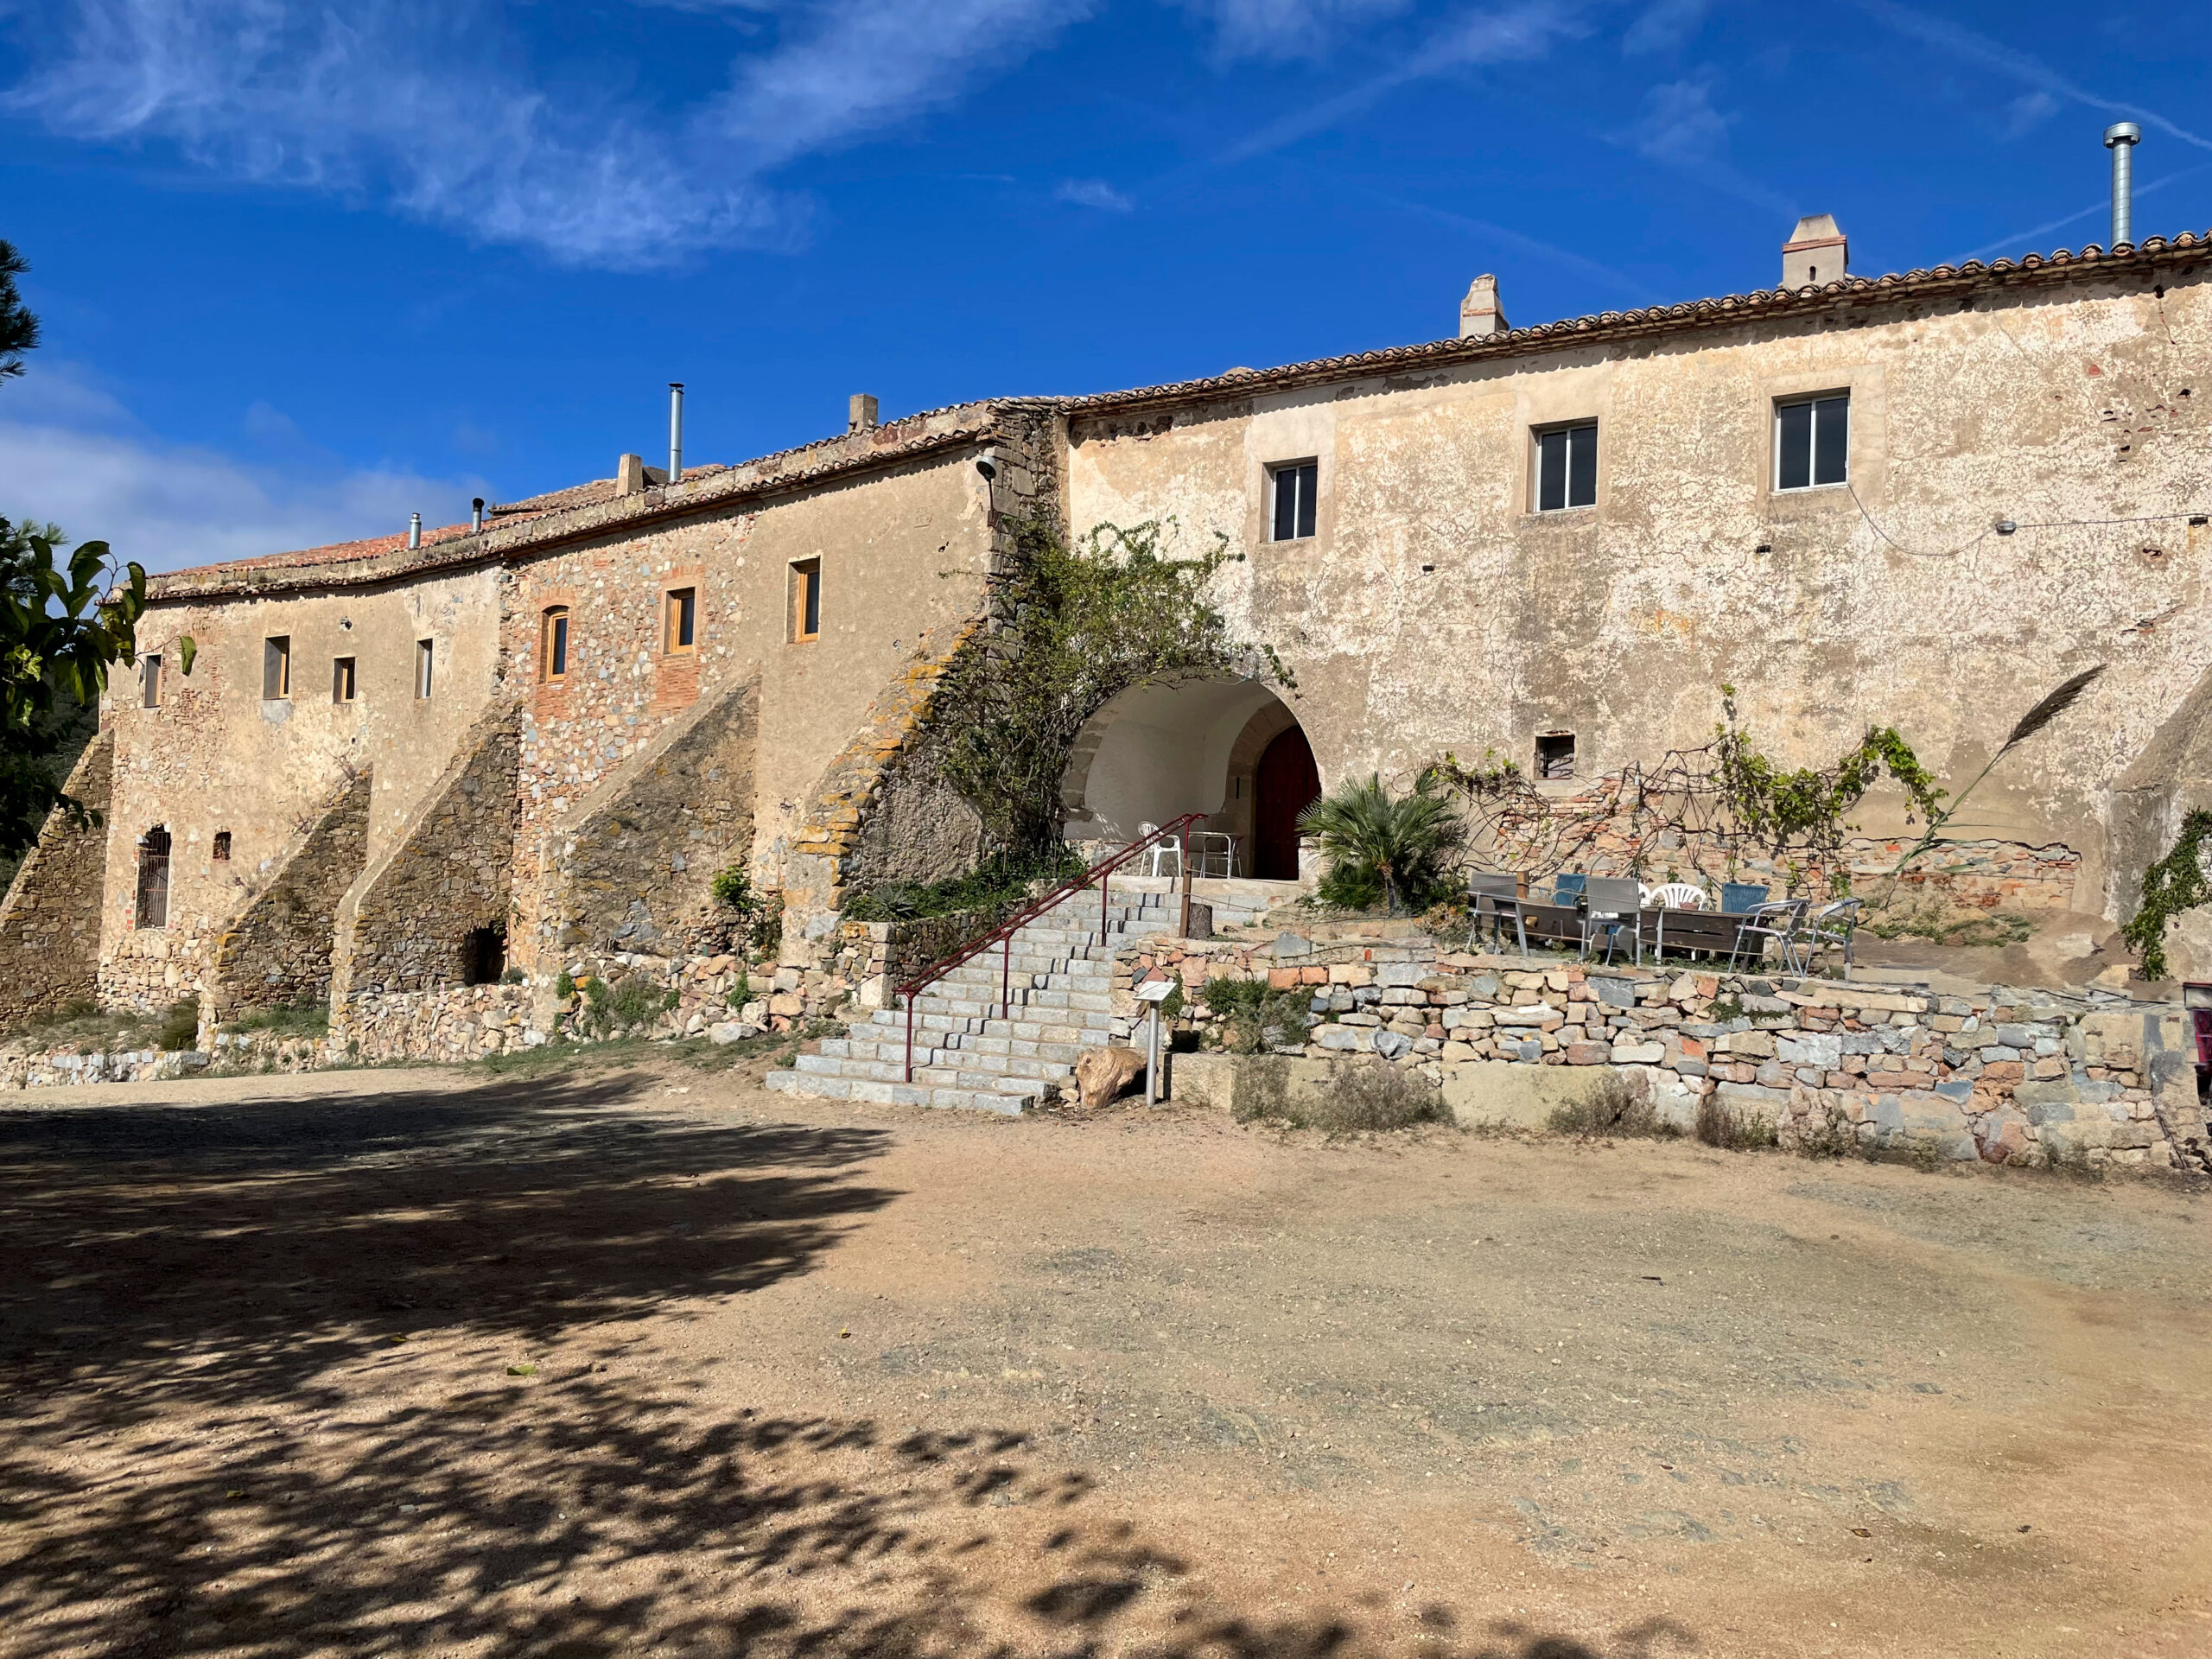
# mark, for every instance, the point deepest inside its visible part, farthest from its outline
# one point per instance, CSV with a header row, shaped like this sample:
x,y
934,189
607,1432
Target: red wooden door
x,y
1288,783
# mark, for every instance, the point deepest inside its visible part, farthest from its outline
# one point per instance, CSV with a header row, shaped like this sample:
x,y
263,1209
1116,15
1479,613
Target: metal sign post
x,y
1155,992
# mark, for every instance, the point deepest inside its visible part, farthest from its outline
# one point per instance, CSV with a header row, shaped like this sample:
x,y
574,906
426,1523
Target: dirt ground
x,y
653,1363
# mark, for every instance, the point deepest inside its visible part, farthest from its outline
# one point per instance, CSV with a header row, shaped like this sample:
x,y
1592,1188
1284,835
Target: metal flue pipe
x,y
414,530
675,430
2120,138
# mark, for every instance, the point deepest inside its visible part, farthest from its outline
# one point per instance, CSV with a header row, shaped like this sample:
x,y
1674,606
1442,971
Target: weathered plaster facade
x,y
1433,609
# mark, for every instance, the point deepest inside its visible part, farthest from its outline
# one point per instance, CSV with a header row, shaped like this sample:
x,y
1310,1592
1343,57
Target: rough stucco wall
x,y
635,870
217,756
279,952
50,920
1433,612
403,926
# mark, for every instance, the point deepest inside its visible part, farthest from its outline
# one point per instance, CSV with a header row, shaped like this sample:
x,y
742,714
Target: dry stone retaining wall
x,y
2002,1075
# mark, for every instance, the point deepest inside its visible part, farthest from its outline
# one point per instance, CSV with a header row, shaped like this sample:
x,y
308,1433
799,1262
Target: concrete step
x,y
1006,1103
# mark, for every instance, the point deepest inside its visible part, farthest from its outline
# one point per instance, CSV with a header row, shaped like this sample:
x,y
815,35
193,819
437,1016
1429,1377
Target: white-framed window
x,y
1293,486
425,652
1812,442
1567,467
150,681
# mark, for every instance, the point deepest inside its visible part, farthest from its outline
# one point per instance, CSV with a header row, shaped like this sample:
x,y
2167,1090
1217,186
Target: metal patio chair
x,y
1833,925
1614,902
1494,897
1779,921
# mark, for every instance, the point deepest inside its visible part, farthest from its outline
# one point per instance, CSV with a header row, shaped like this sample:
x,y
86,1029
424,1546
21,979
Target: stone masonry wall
x,y
402,927
636,870
50,921
2003,1075
279,951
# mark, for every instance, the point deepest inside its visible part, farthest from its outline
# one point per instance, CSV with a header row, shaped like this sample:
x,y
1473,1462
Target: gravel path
x,y
651,1361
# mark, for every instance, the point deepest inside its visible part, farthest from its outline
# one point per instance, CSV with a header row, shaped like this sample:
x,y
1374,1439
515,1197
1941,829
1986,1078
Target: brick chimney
x,y
1478,312
1816,253
629,475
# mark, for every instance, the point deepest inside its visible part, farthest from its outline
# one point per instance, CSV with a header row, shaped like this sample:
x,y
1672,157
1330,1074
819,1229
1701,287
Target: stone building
x,y
1919,500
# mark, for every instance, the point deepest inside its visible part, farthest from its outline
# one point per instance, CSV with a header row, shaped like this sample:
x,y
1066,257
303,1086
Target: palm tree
x,y
1374,841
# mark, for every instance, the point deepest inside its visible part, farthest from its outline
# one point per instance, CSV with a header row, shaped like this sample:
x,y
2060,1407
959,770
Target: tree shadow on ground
x,y
269,1390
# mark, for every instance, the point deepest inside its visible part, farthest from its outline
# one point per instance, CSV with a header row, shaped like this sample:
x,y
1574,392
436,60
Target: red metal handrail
x,y
1004,932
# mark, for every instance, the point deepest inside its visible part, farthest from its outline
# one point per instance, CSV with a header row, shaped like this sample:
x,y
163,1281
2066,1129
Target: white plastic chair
x,y
1675,895
1162,850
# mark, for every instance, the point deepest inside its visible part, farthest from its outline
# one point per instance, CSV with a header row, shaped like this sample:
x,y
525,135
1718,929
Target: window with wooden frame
x,y
425,660
341,679
553,645
150,681
277,667
806,600
680,621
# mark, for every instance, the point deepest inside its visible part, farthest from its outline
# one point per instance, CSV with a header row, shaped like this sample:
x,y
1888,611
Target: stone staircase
x,y
964,1053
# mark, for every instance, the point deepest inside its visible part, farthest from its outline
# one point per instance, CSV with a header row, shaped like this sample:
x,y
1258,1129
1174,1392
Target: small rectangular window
x,y
341,679
277,667
423,664
1566,468
222,847
682,620
1812,442
1295,484
150,681
806,600
553,647
1555,755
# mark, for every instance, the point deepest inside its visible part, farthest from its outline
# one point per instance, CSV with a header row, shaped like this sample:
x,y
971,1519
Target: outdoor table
x,y
1711,931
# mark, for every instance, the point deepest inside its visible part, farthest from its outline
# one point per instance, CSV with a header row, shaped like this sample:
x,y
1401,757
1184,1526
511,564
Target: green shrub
x,y
1255,1016
286,1019
512,976
733,888
1732,1131
996,887
1396,850
564,987
741,993
636,1001
1611,1108
180,1026
1356,1096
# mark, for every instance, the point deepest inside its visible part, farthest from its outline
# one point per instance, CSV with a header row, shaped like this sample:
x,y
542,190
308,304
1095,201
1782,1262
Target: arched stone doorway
x,y
1285,783
1159,751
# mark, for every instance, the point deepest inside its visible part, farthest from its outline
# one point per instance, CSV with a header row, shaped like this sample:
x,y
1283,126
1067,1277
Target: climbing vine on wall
x,y
1728,796
1080,622
2175,883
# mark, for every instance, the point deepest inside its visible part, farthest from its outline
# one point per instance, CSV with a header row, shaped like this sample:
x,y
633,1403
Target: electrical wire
x,y
2044,524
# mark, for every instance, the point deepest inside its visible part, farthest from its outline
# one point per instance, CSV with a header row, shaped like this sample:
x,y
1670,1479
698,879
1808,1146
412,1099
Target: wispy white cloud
x,y
1666,25
2027,112
425,106
1092,193
1969,47
1679,127
1285,29
1522,33
71,454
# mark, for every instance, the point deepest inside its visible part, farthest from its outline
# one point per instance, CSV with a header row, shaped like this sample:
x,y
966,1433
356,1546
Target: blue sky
x,y
304,270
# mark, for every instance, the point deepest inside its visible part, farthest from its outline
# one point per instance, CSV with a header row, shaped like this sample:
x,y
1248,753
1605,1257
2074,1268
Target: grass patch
x,y
285,1020
1614,1110
1944,925
997,887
